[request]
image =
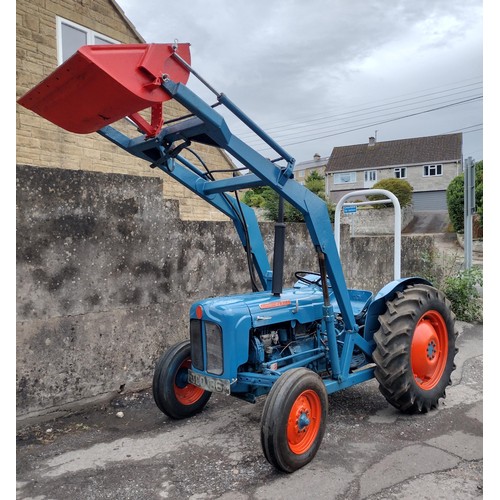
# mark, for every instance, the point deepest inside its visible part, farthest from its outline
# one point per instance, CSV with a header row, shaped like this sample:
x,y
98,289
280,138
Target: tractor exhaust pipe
x,y
279,250
324,278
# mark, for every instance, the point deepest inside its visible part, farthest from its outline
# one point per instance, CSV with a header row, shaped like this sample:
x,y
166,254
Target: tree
x,y
479,191
268,199
455,203
255,197
455,198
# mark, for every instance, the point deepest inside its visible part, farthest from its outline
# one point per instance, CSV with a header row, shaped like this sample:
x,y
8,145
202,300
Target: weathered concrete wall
x,y
368,261
106,273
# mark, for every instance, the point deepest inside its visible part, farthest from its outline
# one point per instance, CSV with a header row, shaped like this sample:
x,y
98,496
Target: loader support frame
x,y
208,123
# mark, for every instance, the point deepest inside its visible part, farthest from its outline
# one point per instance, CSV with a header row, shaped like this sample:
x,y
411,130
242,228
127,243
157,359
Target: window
x,y
400,173
71,36
301,173
370,176
344,178
432,170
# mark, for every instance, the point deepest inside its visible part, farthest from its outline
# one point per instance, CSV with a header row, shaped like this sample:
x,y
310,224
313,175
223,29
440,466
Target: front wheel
x,y
294,419
172,392
415,349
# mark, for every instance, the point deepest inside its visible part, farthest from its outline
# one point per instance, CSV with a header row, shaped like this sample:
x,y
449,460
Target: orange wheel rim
x,y
429,350
304,422
186,393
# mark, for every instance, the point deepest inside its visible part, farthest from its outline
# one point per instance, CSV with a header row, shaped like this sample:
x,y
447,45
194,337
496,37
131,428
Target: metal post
x,y
469,209
329,318
279,249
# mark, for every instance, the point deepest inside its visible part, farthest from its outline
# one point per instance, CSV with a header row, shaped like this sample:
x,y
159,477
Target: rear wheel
x,y
415,349
172,393
294,419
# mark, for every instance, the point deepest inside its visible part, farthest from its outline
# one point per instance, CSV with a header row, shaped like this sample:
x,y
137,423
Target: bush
x,y
459,285
461,290
399,187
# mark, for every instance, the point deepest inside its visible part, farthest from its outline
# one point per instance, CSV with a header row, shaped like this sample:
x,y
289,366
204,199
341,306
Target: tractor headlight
x,y
213,335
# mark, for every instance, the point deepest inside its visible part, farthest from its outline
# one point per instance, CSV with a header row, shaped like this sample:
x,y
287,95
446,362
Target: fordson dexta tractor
x,y
295,345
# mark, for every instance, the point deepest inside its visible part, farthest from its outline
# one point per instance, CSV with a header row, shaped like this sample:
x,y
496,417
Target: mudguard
x,y
378,305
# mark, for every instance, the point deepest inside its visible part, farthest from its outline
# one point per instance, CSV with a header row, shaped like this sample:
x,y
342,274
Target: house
x,y
305,168
427,163
48,33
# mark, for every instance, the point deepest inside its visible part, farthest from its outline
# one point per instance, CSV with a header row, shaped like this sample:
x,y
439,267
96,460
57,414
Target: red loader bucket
x,y
101,84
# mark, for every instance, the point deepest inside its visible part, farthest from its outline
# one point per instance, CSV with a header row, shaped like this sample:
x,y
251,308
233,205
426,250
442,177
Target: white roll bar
x,y
397,220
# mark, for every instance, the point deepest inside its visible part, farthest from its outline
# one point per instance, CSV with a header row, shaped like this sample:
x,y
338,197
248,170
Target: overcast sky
x,y
317,74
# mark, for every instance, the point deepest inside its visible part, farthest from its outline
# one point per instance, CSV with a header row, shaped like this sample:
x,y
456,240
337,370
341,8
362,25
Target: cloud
x,y
285,60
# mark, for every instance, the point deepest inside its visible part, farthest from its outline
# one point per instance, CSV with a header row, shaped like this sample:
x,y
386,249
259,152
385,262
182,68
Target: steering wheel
x,y
307,281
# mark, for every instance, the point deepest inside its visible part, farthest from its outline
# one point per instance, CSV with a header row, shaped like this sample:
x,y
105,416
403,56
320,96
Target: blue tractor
x,y
296,345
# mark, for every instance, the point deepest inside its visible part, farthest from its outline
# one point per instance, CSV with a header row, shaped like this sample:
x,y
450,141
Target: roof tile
x,y
434,148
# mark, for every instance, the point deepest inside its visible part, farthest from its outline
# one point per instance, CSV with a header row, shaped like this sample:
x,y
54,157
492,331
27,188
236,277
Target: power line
x,y
466,101
359,117
359,108
362,118
361,111
465,128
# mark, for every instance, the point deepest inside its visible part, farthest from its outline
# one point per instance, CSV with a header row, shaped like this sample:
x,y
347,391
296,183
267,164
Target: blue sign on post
x,y
350,209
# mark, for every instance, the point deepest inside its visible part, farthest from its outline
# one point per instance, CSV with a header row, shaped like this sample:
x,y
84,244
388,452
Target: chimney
x,y
317,157
371,141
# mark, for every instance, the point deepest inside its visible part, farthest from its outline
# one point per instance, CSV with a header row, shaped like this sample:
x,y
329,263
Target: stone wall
x,y
369,220
106,273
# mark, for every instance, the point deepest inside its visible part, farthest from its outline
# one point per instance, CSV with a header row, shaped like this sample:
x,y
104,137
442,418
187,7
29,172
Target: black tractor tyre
x,y
172,393
293,420
415,349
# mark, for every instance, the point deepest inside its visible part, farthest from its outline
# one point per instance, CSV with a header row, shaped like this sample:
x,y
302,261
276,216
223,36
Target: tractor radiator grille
x,y
196,344
206,337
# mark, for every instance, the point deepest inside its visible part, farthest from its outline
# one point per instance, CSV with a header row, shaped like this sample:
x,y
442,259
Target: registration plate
x,y
211,384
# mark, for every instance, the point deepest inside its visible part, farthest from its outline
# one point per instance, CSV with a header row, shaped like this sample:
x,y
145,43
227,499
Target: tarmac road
x,y
370,450
428,222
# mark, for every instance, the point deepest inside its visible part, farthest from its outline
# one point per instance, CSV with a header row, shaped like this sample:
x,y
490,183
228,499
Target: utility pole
x,y
469,207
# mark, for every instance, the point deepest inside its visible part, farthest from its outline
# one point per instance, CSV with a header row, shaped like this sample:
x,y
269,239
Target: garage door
x,y
429,200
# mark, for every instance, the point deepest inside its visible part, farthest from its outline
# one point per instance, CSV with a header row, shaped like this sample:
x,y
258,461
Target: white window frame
x,y
401,171
432,170
337,178
90,34
370,174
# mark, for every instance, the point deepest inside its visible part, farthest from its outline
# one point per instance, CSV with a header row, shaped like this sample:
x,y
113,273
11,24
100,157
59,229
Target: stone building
x,y
429,164
47,33
305,168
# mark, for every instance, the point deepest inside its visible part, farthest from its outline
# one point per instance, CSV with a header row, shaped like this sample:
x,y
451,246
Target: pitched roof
x,y
436,148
